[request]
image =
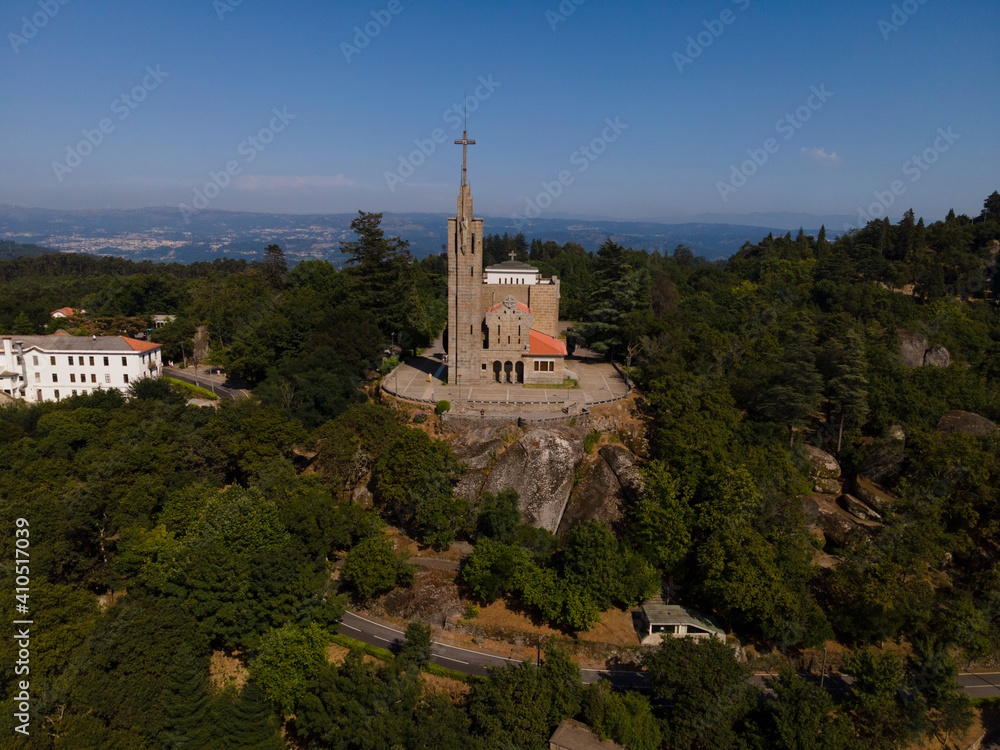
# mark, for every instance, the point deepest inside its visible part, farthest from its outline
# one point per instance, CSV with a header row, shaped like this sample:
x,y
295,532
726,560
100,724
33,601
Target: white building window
x,y
124,362
38,377
55,379
126,377
107,378
34,360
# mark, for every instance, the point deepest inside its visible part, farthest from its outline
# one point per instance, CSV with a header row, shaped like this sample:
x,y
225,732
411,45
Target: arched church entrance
x,y
519,372
508,368
497,368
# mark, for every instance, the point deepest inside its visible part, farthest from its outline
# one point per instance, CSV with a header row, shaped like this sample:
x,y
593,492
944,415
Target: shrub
x,y
442,407
591,440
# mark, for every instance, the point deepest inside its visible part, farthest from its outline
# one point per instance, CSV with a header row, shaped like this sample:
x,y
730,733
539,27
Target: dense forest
x,y
166,539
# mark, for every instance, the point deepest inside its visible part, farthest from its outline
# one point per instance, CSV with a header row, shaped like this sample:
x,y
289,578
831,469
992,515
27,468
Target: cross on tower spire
x,y
464,143
512,254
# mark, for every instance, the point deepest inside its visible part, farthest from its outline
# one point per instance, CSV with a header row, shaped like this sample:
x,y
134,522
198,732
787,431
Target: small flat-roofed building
x,y
675,621
574,735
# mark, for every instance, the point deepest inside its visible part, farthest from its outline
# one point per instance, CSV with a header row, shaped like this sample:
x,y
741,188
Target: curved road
x,y
205,382
463,659
977,685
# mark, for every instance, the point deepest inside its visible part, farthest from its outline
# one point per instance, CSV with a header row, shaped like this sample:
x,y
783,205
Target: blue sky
x,y
694,93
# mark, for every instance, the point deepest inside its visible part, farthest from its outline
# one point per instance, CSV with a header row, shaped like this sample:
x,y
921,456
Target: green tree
x,y
661,518
287,660
247,720
625,718
800,716
23,325
416,651
380,267
187,703
275,266
519,705
795,386
848,388
373,568
883,715
619,291
703,693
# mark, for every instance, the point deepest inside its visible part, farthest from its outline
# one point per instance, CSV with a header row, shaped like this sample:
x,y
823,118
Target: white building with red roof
x,y
50,368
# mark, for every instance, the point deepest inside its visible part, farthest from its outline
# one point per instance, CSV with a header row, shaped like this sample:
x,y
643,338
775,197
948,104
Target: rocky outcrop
x,y
827,486
857,508
823,464
873,495
916,352
912,347
839,528
363,496
967,423
896,432
598,495
626,468
478,448
540,467
937,356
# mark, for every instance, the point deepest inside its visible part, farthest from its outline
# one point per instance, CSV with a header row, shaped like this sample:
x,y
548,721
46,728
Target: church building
x,y
503,321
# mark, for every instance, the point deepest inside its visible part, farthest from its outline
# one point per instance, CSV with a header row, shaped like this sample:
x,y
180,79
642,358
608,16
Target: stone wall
x,y
543,299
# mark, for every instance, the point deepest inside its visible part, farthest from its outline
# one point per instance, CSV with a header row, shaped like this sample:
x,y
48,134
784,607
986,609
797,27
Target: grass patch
x,y
567,383
384,654
195,391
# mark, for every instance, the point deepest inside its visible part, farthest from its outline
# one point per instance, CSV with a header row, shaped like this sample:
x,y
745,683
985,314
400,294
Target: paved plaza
x,y
420,379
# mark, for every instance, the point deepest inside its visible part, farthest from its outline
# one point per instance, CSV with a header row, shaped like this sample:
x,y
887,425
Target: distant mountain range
x,y
163,234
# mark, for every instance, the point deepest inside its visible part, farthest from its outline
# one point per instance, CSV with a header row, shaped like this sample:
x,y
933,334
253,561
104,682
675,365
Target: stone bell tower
x,y
465,283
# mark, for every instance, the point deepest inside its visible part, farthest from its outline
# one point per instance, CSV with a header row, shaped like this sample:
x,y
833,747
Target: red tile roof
x,y
500,304
69,312
140,346
542,344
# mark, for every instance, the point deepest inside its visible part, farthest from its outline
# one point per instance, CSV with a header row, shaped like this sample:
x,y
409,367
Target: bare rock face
x,y
896,432
540,466
873,495
479,447
363,497
470,485
634,438
626,468
838,527
598,495
857,508
827,486
967,423
937,356
823,464
912,347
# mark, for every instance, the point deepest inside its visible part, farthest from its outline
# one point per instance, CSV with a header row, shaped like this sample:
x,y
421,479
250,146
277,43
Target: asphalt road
x,y
980,685
205,382
463,659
